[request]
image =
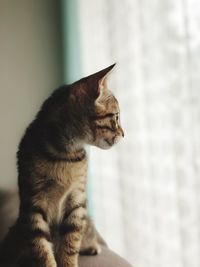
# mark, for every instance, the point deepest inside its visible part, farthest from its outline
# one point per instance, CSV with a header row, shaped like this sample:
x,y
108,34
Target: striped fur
x,y
53,226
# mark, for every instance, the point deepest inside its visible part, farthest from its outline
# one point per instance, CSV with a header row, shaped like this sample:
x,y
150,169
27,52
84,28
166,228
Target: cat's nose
x,y
121,132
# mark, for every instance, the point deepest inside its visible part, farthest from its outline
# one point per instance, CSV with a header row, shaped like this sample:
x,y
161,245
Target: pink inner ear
x,y
102,84
103,81
97,81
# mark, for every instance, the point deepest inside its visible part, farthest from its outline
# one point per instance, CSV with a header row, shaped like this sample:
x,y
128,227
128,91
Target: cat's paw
x,y
92,250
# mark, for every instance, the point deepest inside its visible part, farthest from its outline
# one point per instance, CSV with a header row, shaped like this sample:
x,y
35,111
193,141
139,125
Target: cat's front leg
x,y
37,232
71,236
92,241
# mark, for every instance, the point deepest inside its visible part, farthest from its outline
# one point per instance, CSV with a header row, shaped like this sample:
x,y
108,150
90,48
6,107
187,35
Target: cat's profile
x,y
53,226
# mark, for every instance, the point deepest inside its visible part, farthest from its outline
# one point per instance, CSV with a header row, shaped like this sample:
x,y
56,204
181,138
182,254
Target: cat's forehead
x,y
109,104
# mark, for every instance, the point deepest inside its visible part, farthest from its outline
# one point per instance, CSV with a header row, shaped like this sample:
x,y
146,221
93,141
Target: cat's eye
x,y
117,117
117,121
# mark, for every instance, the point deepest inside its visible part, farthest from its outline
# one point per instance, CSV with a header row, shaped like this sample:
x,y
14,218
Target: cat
x,y
53,226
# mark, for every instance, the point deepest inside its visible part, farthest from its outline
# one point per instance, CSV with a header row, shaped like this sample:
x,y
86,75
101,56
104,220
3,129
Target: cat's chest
x,y
71,181
69,173
72,198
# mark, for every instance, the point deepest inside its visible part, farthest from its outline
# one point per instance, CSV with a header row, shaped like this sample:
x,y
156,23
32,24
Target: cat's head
x,y
100,110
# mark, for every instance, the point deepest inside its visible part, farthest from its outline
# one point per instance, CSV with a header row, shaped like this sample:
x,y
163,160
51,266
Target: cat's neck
x,y
72,152
66,145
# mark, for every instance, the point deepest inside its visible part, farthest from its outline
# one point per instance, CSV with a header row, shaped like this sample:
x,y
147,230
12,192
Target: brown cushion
x,y
106,258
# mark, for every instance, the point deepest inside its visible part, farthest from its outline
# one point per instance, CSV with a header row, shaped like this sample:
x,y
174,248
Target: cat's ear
x,y
102,79
98,81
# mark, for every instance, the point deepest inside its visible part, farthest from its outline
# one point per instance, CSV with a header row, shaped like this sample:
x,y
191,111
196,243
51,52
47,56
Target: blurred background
x,y
144,193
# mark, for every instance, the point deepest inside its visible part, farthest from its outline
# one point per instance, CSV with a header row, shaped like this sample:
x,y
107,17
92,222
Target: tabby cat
x,y
53,226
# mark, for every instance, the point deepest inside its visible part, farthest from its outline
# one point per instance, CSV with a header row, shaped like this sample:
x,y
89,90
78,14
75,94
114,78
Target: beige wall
x,y
30,68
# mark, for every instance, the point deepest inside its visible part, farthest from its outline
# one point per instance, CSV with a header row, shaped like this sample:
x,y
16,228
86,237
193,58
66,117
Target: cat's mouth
x,y
118,138
114,140
109,142
106,143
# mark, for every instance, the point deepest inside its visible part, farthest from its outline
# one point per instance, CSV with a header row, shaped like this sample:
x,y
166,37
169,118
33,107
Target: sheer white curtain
x,y
146,191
